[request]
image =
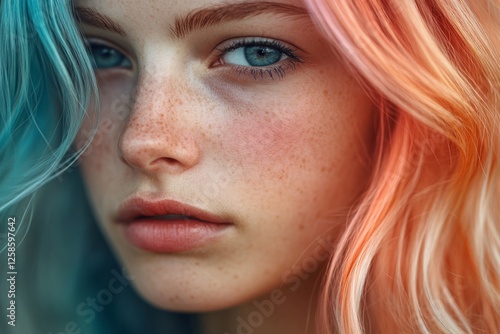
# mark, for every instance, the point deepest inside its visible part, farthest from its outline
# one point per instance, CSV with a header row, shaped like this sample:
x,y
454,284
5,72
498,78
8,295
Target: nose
x,y
160,135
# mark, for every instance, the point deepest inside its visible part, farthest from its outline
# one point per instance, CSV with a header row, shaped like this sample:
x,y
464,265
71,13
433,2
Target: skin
x,y
282,159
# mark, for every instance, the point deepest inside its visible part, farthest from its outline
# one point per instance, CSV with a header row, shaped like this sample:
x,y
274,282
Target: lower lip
x,y
173,236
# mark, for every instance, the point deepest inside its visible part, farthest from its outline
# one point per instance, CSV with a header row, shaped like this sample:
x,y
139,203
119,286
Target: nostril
x,y
170,160
166,160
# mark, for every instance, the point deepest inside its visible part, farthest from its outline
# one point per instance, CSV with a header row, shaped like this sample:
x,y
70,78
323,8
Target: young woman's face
x,y
231,140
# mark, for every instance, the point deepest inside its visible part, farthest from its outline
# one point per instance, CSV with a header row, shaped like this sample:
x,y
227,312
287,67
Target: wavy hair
x,y
422,252
45,70
46,82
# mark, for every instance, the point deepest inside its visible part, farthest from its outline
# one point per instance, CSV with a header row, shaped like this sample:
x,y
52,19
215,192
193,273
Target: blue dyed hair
x,y
46,82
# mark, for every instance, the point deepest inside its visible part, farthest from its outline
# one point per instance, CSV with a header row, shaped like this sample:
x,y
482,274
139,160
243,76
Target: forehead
x,y
170,8
178,19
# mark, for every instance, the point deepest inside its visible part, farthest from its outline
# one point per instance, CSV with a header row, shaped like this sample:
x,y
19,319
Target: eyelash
x,y
90,44
279,70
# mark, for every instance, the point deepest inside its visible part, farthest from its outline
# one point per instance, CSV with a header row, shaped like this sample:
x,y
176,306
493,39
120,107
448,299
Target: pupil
x,y
261,55
106,53
105,57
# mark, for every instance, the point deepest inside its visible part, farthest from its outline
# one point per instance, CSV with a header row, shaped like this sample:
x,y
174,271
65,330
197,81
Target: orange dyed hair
x,y
422,252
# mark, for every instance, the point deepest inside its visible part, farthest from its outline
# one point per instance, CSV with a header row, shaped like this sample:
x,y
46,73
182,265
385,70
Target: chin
x,y
189,290
178,300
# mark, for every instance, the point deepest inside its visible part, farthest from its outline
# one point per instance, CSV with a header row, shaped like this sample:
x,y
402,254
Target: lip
x,y
168,226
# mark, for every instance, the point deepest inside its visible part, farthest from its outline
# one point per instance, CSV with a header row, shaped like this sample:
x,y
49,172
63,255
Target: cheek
x,y
115,100
322,131
301,160
100,158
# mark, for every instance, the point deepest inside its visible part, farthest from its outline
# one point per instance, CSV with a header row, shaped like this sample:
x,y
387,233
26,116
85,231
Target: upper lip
x,y
138,207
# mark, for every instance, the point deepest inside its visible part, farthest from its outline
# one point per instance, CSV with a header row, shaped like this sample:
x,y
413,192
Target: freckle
x,y
191,296
301,227
236,276
197,263
220,268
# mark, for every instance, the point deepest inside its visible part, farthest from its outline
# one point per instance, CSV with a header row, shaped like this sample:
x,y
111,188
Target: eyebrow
x,y
199,18
202,18
92,17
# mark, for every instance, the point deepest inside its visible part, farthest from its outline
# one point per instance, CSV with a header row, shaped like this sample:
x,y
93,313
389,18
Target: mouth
x,y
169,217
138,208
168,226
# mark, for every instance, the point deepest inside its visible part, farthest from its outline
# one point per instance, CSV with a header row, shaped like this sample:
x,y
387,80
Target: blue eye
x,y
259,57
254,55
105,57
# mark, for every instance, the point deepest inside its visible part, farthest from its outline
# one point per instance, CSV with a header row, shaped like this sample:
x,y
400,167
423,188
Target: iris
x,y
261,55
106,57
